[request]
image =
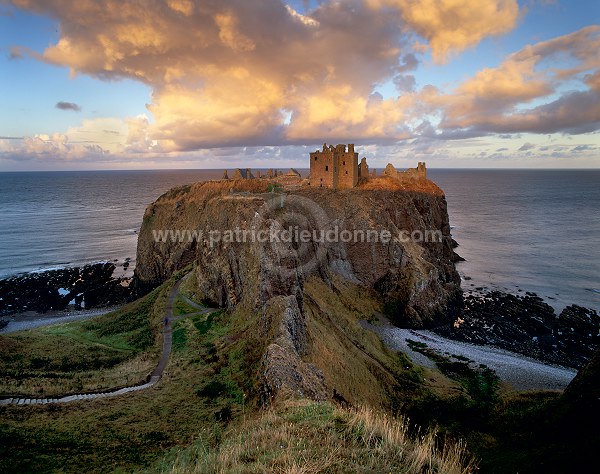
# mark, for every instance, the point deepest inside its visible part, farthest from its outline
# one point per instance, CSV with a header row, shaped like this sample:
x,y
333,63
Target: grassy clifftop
x,y
213,386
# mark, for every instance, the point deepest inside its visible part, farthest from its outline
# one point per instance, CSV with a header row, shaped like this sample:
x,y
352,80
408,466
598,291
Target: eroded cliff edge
x,y
266,273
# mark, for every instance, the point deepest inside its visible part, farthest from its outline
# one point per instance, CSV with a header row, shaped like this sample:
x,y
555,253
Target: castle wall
x,y
348,170
348,166
334,167
363,169
323,169
411,174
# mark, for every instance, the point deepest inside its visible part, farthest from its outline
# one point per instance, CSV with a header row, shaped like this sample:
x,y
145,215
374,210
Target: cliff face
x,y
417,279
259,248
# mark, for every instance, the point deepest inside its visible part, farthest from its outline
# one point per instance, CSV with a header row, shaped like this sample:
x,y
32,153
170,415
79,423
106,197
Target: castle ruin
x,y
338,168
418,173
335,167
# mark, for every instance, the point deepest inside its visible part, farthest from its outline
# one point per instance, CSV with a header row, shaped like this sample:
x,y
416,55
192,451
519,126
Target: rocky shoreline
x,y
523,324
527,325
75,288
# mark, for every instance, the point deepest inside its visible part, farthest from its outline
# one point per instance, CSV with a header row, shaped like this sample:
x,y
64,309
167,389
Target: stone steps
x,y
153,379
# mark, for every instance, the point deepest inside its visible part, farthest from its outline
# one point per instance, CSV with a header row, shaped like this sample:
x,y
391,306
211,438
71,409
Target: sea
x,y
519,230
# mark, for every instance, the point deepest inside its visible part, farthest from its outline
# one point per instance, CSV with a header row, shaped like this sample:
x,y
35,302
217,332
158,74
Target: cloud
x,y
226,73
452,26
527,147
185,7
238,73
495,100
68,106
405,83
99,138
15,53
583,148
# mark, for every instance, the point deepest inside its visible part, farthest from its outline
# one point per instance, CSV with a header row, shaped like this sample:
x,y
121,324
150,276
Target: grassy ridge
x,y
115,349
205,414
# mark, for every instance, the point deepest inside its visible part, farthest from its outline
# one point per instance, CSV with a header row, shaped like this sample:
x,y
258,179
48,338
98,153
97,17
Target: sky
x,y
153,84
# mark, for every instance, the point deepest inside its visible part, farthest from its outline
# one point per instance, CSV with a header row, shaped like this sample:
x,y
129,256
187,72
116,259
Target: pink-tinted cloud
x,y
495,100
241,73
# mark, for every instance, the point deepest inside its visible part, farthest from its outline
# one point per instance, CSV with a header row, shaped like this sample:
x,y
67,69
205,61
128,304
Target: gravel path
x,y
152,379
519,371
28,322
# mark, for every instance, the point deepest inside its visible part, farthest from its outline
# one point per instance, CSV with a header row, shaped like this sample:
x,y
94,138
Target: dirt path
x,y
152,379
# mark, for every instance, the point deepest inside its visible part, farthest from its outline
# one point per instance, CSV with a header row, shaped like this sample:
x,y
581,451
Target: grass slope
x,y
299,436
205,413
112,350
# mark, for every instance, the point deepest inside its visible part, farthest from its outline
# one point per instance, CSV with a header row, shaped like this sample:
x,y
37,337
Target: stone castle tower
x,y
335,167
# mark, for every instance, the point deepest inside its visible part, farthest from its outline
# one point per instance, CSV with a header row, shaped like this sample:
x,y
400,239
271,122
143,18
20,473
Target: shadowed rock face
x,y
234,264
584,390
418,280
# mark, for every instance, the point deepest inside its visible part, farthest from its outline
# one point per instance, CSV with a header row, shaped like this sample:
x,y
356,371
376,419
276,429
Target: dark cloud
x,y
527,147
405,83
15,53
68,106
581,148
409,63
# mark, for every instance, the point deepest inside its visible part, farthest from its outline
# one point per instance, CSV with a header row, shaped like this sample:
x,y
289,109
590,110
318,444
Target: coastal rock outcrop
x,y
529,326
256,247
90,286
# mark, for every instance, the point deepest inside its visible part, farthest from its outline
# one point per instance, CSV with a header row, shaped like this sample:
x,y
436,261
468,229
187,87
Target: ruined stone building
x,y
243,174
418,173
335,167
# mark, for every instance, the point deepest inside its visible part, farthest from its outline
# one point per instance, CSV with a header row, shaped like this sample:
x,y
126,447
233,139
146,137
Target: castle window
x,y
344,163
326,167
346,172
315,158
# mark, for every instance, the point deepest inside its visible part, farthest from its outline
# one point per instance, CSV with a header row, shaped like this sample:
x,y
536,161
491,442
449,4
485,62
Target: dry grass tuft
x,y
307,437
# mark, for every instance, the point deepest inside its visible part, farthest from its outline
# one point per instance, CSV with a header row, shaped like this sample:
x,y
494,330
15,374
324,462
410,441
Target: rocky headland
x,y
416,282
283,280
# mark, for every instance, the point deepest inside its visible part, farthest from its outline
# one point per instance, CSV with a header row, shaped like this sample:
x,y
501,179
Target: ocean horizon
x,y
518,229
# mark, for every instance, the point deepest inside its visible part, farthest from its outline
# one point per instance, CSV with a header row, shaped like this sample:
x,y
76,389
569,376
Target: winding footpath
x,y
156,374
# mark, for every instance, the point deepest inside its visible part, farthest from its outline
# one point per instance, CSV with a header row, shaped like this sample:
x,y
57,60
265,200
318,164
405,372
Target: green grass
x,y
203,323
480,382
112,350
275,188
130,432
303,436
181,308
204,413
179,338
